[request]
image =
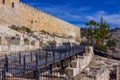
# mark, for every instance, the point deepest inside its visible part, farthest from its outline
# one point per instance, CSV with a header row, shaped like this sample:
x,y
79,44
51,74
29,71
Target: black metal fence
x,y
38,64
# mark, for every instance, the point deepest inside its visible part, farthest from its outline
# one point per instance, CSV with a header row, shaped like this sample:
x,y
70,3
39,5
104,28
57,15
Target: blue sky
x,y
78,12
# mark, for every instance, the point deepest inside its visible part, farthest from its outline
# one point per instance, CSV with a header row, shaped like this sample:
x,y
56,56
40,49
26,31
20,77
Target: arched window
x,y
13,5
3,1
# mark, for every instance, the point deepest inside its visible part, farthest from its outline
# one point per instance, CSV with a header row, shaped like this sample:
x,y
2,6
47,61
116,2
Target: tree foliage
x,y
98,33
112,43
101,48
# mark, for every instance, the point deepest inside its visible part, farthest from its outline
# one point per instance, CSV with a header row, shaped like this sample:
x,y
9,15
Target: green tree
x,y
89,30
112,43
104,32
97,33
96,36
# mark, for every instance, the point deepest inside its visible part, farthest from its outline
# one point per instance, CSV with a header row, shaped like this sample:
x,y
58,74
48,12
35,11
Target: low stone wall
x,y
79,64
9,76
16,48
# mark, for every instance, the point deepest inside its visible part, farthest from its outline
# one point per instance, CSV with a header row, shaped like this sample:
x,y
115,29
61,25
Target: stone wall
x,y
9,2
6,46
82,65
82,62
23,14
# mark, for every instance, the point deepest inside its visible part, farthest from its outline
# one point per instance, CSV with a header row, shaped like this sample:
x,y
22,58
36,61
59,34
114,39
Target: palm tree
x,y
89,31
95,34
87,34
105,32
95,27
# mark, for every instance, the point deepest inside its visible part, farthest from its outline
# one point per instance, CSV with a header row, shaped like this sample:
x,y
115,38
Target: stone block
x,y
72,71
87,49
76,63
5,49
37,44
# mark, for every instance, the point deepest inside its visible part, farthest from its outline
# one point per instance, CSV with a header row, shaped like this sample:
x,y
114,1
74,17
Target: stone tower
x,y
10,3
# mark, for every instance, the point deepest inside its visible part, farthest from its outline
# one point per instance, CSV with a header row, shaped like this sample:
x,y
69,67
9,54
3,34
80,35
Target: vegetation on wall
x,y
22,28
44,32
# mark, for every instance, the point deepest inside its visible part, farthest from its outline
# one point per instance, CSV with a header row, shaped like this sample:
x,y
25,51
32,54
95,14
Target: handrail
x,y
40,59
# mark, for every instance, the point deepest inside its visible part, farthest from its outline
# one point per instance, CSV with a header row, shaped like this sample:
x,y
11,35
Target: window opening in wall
x,y
3,1
13,5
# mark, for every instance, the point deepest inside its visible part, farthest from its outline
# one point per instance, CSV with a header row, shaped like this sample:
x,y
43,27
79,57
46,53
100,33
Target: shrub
x,y
26,29
23,28
101,48
112,43
14,27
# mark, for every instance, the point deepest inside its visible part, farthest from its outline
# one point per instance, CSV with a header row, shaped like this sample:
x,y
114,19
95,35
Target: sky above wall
x,y
78,12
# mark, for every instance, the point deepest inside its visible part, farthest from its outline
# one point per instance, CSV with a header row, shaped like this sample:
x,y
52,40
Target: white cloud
x,y
101,12
113,19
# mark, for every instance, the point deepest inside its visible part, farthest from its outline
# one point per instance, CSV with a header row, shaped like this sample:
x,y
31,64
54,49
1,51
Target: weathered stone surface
x,y
81,63
75,63
23,14
72,71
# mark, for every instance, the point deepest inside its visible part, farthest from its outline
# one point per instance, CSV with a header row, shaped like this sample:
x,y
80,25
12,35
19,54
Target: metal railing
x,y
19,64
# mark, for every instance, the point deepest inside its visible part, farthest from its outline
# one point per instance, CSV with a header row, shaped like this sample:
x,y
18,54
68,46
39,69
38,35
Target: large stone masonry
x,y
28,16
6,47
82,62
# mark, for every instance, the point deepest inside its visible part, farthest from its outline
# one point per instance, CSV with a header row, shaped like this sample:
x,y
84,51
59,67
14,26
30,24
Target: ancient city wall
x,y
44,21
23,14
